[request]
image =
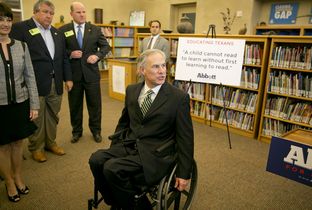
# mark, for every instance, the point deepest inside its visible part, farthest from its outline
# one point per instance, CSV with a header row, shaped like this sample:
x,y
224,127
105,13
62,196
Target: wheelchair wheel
x,y
170,197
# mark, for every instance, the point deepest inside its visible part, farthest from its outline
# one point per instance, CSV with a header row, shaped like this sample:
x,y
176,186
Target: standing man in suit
x,y
86,46
155,114
155,41
51,66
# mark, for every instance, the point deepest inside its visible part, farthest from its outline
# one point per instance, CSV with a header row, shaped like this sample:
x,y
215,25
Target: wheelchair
x,y
164,195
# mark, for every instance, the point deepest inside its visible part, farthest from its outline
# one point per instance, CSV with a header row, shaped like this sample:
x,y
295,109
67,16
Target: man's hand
x,y
181,184
92,59
68,85
76,54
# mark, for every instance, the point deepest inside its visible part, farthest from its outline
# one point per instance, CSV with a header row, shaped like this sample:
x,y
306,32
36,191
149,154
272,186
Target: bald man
x,y
86,46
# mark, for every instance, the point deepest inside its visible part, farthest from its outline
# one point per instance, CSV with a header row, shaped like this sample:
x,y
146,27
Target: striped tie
x,y
147,102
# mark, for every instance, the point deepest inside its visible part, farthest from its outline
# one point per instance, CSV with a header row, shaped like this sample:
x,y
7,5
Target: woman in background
x,y
19,104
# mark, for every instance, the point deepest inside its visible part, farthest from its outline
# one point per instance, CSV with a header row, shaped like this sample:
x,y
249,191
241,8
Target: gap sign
x,y
283,13
291,159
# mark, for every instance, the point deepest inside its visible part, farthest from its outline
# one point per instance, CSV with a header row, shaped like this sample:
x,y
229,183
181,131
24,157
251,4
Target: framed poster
x,y
137,18
283,13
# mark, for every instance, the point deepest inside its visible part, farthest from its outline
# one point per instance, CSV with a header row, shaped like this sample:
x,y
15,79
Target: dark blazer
x,y
94,43
42,62
168,118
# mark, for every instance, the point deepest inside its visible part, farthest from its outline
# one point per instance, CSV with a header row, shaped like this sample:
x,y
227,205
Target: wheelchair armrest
x,y
118,135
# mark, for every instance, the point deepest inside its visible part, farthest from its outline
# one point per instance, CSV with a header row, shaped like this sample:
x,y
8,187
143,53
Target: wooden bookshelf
x,y
243,119
287,103
284,30
122,42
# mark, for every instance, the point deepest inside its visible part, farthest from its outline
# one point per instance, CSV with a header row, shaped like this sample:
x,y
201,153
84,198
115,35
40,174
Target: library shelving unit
x,y
122,41
284,30
287,103
243,103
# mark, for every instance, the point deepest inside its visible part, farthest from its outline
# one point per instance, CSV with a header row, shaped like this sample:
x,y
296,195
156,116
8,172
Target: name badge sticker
x,y
34,31
69,33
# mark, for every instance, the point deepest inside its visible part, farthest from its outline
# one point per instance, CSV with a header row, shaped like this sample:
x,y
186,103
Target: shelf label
x,y
283,13
207,60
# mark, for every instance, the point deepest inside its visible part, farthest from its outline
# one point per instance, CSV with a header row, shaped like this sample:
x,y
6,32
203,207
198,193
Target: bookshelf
x,y
122,41
243,103
284,30
287,103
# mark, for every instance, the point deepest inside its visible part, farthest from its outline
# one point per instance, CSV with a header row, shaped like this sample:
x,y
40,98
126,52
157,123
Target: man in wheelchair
x,y
154,133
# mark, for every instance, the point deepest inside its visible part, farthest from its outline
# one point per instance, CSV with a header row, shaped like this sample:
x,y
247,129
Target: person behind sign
x,y
19,104
86,76
155,41
51,66
145,130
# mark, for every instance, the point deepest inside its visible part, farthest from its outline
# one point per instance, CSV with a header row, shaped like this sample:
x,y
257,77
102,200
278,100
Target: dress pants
x,y
47,121
92,91
117,174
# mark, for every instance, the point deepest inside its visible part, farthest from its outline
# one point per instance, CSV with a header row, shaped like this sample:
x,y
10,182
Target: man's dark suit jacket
x,y
168,118
42,62
94,42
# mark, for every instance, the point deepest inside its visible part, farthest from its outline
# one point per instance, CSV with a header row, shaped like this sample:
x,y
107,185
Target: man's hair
x,y
143,57
72,5
154,21
5,11
38,4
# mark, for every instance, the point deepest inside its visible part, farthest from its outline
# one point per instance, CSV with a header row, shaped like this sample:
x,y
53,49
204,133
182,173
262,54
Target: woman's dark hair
x,y
5,11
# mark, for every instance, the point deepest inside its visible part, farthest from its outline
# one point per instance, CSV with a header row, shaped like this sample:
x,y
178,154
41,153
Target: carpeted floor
x,y
228,179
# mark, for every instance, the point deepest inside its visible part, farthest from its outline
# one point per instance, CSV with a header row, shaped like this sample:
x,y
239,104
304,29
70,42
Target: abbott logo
x,y
296,157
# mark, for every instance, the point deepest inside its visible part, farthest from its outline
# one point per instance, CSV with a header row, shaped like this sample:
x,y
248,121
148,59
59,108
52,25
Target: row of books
x,y
195,90
297,84
250,78
110,41
272,127
253,54
289,109
236,119
198,108
236,99
299,57
174,47
124,32
123,52
123,42
107,31
103,64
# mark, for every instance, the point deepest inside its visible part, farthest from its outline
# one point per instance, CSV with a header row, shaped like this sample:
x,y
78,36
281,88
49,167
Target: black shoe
x,y
23,191
75,138
13,198
97,137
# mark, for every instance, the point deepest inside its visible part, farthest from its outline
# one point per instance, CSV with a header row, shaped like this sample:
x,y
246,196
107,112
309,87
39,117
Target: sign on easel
x,y
206,60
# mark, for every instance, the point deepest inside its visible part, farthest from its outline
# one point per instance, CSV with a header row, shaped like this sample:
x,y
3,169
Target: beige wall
x,y
207,11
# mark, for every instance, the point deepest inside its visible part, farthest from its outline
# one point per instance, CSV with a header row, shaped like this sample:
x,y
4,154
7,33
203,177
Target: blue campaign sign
x,y
290,159
283,13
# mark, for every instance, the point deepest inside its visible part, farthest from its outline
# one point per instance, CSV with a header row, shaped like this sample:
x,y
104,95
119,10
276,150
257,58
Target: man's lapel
x,y
38,37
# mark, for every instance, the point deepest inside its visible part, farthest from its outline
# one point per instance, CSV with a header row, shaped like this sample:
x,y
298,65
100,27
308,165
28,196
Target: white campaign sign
x,y
207,60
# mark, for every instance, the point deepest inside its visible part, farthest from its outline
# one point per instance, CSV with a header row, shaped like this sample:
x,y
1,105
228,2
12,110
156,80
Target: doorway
x,y
179,10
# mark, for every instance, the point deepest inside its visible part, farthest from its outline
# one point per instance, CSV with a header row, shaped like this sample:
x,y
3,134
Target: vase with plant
x,y
228,20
